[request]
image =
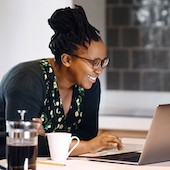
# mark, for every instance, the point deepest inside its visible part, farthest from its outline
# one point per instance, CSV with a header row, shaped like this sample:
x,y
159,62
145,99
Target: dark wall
x,y
138,45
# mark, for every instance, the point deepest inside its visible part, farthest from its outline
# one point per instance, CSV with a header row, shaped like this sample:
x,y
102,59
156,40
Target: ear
x,y
66,59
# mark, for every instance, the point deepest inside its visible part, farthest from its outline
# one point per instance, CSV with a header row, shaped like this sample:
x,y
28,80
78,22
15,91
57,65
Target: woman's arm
x,y
96,144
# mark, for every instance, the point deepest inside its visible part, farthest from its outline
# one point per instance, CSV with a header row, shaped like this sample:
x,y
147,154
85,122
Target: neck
x,y
64,85
61,74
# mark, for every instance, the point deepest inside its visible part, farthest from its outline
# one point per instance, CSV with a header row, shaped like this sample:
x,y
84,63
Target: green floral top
x,y
53,114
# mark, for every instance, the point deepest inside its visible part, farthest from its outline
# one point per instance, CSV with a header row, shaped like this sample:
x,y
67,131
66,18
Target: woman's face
x,y
81,70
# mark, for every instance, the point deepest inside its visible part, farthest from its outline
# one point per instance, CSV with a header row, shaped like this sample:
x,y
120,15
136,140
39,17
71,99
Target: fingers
x,y
41,130
38,120
111,140
103,141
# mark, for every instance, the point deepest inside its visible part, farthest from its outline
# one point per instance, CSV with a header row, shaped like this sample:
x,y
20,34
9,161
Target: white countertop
x,y
78,164
91,165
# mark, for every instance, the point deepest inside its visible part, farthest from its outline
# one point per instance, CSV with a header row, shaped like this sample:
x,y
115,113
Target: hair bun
x,y
62,20
67,20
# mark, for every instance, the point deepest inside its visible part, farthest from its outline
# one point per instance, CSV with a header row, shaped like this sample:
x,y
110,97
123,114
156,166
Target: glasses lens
x,y
105,62
96,63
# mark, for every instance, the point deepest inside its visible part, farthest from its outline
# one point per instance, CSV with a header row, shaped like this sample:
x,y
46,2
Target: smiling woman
x,y
62,92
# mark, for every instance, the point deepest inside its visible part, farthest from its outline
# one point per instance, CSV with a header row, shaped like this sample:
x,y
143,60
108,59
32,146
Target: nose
x,y
99,70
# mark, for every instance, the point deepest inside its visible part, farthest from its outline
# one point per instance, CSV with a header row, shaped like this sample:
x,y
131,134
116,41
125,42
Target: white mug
x,y
59,143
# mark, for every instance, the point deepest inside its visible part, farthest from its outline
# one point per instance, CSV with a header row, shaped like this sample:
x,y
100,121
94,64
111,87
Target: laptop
x,y
156,147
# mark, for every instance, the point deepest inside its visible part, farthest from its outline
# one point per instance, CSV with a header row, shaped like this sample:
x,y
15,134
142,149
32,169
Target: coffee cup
x,y
59,143
21,149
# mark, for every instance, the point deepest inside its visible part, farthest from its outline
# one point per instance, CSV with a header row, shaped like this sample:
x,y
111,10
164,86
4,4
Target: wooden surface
x,y
126,133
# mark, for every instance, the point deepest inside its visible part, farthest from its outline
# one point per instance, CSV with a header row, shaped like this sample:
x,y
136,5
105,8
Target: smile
x,y
93,79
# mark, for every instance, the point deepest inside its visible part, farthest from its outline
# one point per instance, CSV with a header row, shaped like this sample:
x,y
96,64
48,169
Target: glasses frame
x,y
92,62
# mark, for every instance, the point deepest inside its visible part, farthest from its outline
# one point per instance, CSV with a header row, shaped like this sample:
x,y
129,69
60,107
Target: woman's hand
x,y
103,141
41,130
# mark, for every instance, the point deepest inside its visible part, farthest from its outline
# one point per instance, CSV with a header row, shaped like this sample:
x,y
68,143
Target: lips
x,y
92,79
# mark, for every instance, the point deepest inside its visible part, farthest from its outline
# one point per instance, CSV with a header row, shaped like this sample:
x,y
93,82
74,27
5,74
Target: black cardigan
x,y
23,87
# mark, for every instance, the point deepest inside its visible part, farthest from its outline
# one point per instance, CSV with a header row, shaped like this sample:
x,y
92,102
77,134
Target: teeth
x,y
93,78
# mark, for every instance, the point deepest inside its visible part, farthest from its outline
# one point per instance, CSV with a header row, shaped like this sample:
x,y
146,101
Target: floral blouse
x,y
53,116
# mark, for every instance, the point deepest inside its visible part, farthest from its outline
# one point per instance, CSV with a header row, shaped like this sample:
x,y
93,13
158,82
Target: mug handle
x,y
78,141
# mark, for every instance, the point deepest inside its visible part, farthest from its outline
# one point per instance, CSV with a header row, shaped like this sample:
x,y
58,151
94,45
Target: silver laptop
x,y
157,145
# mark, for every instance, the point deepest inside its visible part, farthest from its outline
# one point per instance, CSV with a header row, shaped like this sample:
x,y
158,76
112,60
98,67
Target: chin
x,y
87,86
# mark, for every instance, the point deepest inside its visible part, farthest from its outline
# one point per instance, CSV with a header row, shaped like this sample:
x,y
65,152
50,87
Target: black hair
x,y
71,29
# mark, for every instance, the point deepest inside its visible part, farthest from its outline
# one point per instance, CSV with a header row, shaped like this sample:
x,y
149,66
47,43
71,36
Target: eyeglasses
x,y
96,63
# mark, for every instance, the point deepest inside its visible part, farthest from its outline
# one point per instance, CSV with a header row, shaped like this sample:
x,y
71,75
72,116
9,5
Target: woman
x,y
63,93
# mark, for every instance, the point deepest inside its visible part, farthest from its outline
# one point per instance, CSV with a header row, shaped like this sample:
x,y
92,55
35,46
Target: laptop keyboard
x,y
129,157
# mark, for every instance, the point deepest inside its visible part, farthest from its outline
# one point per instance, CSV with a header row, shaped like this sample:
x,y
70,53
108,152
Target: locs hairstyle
x,y
71,29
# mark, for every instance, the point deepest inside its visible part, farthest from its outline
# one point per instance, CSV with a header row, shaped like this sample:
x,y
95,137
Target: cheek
x,y
81,69
80,74
82,78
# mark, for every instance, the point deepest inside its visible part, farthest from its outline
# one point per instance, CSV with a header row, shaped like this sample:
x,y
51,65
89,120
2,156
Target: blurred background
x,y
136,34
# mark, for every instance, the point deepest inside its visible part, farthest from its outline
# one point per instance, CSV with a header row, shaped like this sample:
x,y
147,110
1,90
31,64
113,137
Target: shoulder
x,y
23,73
23,69
30,66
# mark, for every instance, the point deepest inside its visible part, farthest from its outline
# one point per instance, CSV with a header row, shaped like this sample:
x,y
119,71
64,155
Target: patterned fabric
x,y
53,116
